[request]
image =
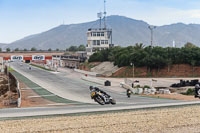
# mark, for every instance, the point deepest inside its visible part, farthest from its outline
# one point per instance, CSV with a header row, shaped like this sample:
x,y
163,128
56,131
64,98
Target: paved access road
x,y
70,86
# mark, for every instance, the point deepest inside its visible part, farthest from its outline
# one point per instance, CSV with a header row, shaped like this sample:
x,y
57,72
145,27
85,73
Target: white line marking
x,y
40,96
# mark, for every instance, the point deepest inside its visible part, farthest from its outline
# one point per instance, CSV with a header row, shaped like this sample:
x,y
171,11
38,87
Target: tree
x,y
150,57
33,49
189,45
113,53
139,46
25,49
49,49
0,49
57,49
17,49
73,48
81,48
96,57
8,49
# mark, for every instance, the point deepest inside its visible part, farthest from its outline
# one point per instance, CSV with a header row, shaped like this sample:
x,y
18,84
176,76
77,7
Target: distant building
x,y
98,39
70,61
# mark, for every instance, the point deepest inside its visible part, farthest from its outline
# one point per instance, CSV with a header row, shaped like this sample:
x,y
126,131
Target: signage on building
x,y
38,57
17,58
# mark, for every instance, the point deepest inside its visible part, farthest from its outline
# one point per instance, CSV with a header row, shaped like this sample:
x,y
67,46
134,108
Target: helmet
x,y
91,87
197,86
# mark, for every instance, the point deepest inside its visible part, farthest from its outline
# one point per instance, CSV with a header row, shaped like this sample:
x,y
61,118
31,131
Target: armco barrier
x,y
19,95
86,72
94,80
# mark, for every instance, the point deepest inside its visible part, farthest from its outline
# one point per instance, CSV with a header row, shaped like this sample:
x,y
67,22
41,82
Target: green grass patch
x,y
41,67
10,69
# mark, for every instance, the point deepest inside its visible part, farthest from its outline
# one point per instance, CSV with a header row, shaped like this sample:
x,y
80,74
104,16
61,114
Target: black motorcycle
x,y
128,93
102,98
197,91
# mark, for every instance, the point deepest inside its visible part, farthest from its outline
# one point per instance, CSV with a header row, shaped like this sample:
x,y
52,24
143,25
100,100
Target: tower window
x,y
94,34
94,42
106,41
98,42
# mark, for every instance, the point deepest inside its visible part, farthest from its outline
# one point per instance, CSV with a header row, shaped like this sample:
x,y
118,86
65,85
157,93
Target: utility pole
x,y
105,14
99,15
132,64
151,29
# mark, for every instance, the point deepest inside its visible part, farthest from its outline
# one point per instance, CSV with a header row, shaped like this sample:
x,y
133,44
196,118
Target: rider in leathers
x,y
197,87
92,89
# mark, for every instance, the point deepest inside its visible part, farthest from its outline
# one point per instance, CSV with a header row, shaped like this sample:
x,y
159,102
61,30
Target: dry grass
x,y
172,120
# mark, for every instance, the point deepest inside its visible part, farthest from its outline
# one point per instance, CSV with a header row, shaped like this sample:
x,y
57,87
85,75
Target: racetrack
x,y
68,85
163,120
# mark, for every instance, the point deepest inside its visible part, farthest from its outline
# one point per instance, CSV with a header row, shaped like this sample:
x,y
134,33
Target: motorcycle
x,y
128,93
102,98
197,91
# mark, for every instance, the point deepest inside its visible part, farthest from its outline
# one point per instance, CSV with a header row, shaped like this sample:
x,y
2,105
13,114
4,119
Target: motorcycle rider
x,y
96,89
197,87
128,92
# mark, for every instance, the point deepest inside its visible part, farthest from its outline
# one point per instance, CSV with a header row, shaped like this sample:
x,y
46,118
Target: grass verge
x,y
41,67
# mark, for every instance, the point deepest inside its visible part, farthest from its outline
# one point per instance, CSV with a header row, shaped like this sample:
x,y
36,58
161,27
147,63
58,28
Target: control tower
x,y
99,38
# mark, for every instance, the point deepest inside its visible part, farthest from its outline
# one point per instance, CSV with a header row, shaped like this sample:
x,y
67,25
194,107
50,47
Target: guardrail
x,y
19,95
86,72
93,79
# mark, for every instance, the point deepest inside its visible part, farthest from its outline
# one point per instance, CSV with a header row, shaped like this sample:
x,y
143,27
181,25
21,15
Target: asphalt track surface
x,y
73,88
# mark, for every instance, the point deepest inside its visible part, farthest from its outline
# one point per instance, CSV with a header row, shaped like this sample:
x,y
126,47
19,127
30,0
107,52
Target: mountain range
x,y
126,31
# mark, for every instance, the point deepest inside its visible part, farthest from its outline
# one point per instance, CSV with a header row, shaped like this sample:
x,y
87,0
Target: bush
x,y
138,86
146,86
190,91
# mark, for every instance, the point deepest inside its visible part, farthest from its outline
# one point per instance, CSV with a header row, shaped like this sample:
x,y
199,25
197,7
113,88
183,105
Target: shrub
x,y
138,86
190,91
146,86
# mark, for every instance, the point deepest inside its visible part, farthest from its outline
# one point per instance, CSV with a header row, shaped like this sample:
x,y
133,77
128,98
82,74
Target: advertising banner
x,y
38,57
17,58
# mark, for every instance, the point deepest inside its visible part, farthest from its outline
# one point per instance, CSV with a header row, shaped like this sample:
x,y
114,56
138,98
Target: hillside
x,y
2,45
126,31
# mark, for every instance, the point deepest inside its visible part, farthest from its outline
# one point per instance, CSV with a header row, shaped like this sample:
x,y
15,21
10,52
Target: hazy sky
x,y
20,18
